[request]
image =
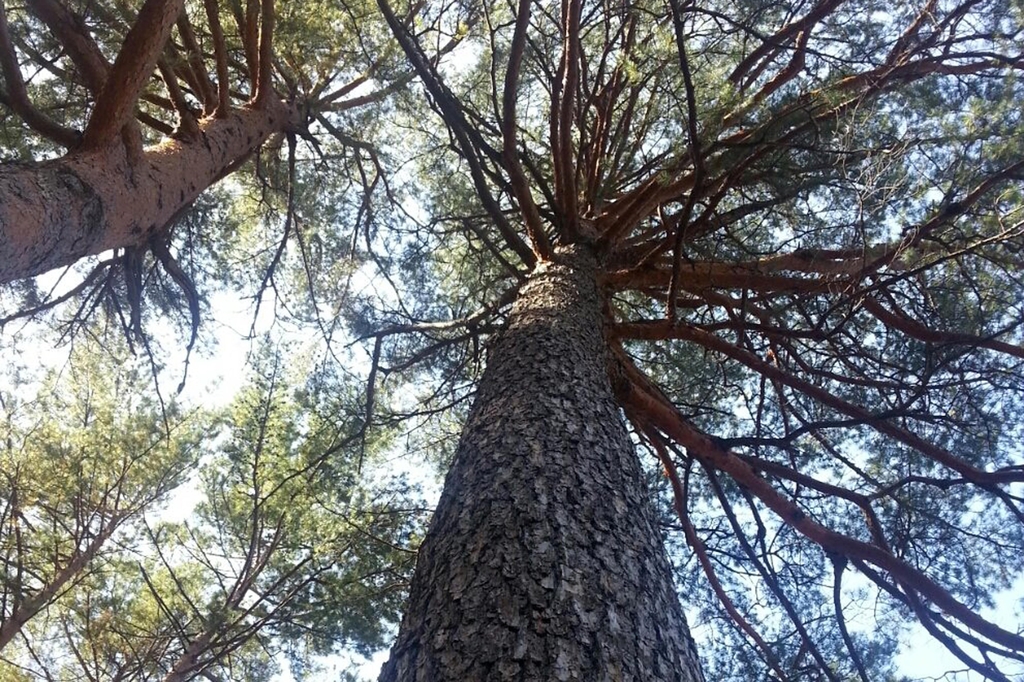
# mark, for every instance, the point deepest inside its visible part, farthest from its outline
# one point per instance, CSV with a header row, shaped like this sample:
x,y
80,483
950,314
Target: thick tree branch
x,y
89,202
73,35
265,79
877,422
195,58
752,66
220,55
510,152
562,119
639,396
131,70
921,332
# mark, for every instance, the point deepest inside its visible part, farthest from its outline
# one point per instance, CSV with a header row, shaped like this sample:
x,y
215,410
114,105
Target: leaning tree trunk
x,y
543,561
56,212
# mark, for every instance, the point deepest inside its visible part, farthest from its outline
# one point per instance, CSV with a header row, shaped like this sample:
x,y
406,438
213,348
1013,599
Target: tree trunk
x,y
57,212
543,561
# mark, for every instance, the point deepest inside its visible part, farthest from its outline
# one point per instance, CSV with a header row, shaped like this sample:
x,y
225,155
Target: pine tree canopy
x,y
808,224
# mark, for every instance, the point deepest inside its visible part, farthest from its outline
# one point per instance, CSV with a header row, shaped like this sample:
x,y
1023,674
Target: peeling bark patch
x,y
543,561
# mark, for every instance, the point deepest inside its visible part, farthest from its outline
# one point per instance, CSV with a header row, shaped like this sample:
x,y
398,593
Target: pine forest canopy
x,y
277,560
783,239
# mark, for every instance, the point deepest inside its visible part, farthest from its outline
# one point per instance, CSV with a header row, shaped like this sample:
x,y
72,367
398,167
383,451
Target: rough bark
x,y
543,561
54,213
132,68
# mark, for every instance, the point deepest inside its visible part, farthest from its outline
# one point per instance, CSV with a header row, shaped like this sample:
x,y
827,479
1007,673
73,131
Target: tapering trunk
x,y
56,212
543,561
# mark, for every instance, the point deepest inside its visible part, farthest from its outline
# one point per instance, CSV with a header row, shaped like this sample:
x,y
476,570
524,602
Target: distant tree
x,y
81,464
285,556
289,554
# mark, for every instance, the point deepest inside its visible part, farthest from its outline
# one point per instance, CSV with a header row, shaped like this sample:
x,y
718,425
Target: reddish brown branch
x,y
249,28
265,79
187,126
871,520
220,53
562,116
887,76
132,68
882,425
757,60
182,69
792,70
510,153
639,396
595,151
207,93
698,275
694,541
899,51
73,35
921,332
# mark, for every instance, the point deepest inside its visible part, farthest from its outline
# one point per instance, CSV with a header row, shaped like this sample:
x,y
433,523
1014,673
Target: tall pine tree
x,y
790,235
